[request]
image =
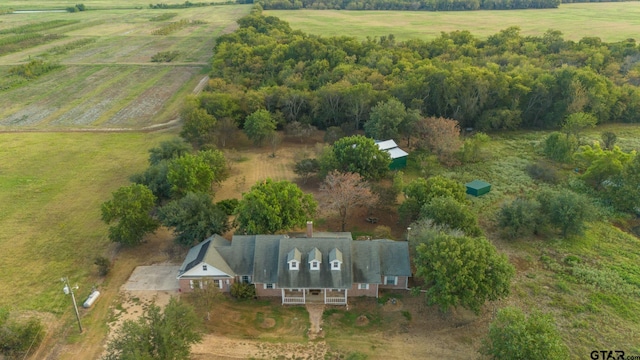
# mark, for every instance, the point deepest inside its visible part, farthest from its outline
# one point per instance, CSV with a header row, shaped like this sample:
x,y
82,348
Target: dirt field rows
x,y
111,81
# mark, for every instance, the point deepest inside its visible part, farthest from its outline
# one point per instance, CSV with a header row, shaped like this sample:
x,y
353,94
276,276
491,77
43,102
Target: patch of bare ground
x,y
224,348
112,303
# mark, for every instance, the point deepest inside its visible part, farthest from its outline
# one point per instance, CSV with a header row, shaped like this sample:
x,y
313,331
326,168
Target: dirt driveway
x,y
153,278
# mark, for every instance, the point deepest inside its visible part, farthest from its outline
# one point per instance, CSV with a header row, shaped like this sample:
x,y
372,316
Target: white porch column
x,y
345,295
282,296
324,291
304,296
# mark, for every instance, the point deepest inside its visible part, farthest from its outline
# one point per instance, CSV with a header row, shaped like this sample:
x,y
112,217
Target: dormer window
x,y
293,259
335,259
315,259
204,267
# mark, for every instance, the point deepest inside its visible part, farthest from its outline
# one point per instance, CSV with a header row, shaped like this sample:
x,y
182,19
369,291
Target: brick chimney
x,y
309,229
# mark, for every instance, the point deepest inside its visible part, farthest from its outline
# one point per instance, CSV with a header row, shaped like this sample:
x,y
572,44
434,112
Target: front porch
x,y
314,296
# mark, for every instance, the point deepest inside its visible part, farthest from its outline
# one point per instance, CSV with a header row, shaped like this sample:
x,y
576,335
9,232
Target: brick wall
x,y
402,283
262,292
372,291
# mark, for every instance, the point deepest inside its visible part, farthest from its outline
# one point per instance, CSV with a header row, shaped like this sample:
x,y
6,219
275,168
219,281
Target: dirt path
x,y
315,317
220,347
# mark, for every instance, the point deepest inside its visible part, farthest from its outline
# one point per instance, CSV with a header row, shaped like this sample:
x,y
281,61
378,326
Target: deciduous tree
x,y
449,212
194,218
512,335
577,122
519,217
168,150
190,173
385,119
344,191
157,334
462,271
131,207
259,126
566,210
305,168
274,206
440,135
358,154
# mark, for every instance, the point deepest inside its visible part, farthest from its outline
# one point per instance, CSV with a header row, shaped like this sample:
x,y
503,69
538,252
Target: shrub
x,y
543,172
165,56
382,232
17,338
519,217
104,265
243,291
228,205
512,335
559,147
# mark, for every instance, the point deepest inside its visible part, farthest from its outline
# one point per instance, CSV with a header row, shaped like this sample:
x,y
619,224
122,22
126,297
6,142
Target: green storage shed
x,y
478,187
398,156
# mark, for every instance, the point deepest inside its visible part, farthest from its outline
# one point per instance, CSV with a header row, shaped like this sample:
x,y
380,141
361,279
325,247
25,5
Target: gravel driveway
x,y
153,278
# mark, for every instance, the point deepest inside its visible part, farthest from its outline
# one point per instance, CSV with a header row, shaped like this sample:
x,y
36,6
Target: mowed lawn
x,y
106,78
609,21
51,189
89,4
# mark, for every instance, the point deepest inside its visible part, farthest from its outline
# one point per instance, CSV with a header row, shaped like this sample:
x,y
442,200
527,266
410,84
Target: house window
x,y
204,267
245,279
363,286
335,266
194,284
269,286
293,265
314,265
391,280
219,282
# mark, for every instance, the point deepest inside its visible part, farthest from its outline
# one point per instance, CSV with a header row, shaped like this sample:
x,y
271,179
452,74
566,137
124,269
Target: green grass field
x,y
50,213
107,79
609,21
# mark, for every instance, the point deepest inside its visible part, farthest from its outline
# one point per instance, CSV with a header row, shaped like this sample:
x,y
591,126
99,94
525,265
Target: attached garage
x,y
478,187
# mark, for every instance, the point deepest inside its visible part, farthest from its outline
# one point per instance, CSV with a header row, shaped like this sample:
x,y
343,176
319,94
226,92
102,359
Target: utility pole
x,y
68,289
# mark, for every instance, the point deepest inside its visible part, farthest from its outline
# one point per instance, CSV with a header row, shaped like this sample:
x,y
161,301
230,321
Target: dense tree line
x,y
413,5
507,81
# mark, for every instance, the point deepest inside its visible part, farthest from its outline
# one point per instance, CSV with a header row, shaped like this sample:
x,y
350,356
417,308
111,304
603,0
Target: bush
x,y
17,338
104,265
382,232
543,172
514,336
165,56
559,147
243,291
519,217
228,205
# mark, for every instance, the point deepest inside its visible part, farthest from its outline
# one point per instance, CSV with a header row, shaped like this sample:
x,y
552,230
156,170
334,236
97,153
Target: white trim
x,y
315,265
363,286
395,280
294,265
335,265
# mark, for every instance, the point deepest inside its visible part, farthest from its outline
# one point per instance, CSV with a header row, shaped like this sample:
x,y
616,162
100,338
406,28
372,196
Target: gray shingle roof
x,y
266,258
394,257
306,278
366,262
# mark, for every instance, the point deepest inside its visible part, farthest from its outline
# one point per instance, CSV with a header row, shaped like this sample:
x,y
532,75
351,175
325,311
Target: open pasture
x,y
107,78
609,21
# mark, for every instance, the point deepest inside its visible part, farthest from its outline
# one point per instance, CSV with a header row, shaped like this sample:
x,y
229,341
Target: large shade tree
x,y
131,208
356,154
194,218
462,271
272,206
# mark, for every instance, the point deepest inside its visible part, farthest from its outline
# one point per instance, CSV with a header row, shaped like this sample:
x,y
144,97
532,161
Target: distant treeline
x,y
507,81
426,5
188,4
